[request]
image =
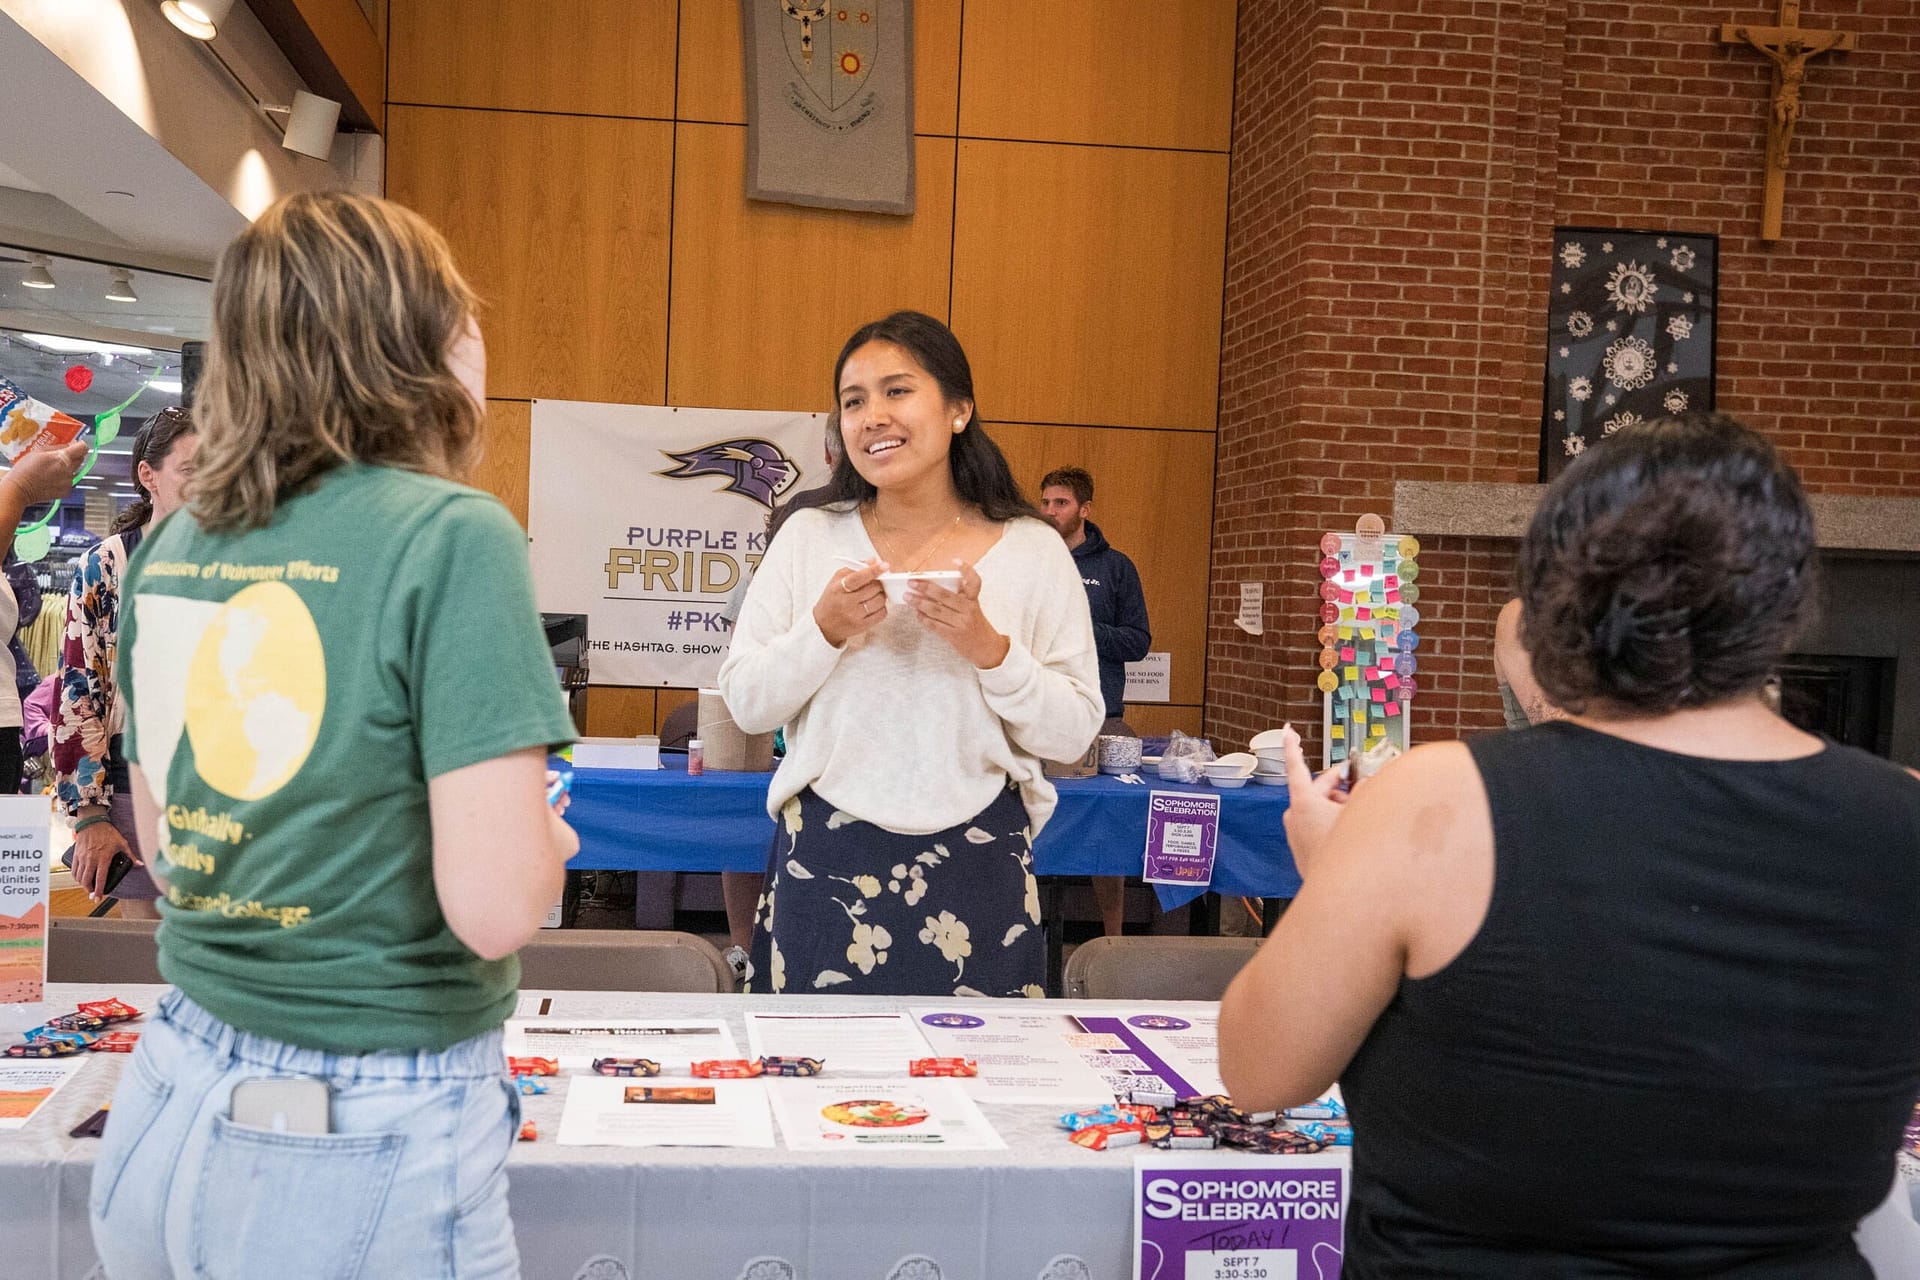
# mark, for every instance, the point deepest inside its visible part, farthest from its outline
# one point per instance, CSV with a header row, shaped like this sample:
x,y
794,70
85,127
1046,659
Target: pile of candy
x,y
81,1030
1201,1123
943,1067
748,1068
626,1066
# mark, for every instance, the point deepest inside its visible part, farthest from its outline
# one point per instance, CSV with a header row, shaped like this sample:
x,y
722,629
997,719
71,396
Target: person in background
x,y
89,770
45,475
1521,698
1578,984
1121,633
912,785
741,890
339,706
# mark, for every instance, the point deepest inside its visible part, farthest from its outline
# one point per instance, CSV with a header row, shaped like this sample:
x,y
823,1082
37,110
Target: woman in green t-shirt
x,y
339,702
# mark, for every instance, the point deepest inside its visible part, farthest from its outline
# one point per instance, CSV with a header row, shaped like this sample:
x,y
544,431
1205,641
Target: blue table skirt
x,y
662,820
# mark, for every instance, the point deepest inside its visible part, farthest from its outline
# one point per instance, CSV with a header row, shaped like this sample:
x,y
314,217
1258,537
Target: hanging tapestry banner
x,y
830,103
1629,334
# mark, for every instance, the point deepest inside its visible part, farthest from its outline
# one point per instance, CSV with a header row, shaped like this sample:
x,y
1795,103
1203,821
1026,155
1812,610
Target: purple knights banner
x,y
1629,334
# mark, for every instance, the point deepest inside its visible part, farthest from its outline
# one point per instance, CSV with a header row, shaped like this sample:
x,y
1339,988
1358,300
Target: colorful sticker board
x,y
1368,640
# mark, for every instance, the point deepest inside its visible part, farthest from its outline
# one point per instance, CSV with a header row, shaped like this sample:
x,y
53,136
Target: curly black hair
x,y
1670,567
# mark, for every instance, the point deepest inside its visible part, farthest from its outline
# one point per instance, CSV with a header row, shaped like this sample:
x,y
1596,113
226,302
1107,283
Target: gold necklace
x,y
926,551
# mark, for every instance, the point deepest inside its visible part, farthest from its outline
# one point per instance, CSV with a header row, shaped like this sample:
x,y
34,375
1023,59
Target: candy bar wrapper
x,y
26,424
1332,1135
1327,1108
1100,1137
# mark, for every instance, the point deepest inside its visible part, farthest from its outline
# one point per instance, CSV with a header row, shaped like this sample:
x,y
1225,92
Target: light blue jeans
x,y
411,1182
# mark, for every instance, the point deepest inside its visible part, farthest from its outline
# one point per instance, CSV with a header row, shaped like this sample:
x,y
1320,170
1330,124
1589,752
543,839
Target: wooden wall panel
x,y
616,712
1150,720
505,452
1099,71
713,73
1087,282
561,223
1153,499
588,57
766,293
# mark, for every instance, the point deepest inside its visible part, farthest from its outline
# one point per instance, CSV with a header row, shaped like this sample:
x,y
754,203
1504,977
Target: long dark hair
x,y
151,445
980,472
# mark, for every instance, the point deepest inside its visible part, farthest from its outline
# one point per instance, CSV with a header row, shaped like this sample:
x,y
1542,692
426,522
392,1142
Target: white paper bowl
x,y
1239,764
1271,740
1226,783
895,584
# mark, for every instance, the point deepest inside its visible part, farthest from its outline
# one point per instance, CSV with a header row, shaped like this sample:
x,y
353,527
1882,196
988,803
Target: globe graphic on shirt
x,y
256,690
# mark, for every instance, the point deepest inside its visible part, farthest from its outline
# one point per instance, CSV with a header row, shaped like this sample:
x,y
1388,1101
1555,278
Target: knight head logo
x,y
754,469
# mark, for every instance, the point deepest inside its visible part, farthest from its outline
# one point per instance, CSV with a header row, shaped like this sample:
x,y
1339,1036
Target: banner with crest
x,y
830,103
646,518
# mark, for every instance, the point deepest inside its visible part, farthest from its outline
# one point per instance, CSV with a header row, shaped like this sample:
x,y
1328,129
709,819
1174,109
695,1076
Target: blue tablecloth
x,y
662,820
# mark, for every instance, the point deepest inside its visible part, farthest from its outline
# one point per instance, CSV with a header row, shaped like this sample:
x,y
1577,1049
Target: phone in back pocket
x,y
283,1104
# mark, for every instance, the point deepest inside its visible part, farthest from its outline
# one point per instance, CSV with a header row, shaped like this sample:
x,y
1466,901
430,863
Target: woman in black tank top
x,y
1636,994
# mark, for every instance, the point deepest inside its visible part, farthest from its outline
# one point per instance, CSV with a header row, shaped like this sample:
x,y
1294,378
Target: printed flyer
x,y
1227,1216
1078,1055
25,823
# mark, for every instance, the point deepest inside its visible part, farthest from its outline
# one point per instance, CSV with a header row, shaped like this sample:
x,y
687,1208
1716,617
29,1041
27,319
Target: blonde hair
x,y
332,319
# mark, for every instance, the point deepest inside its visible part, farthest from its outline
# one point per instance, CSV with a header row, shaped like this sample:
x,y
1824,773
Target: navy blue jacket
x,y
1119,609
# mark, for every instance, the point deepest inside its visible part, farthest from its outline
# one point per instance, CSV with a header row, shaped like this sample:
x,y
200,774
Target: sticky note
x,y
1365,615
1346,633
1393,582
1346,654
1346,615
1363,597
1338,732
1367,569
1351,674
1393,708
1345,597
1347,575
1379,695
1366,633
1393,597
1377,731
1392,681
1373,673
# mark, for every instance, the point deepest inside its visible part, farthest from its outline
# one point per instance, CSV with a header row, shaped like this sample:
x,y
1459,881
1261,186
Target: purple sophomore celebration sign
x,y
1183,829
1228,1217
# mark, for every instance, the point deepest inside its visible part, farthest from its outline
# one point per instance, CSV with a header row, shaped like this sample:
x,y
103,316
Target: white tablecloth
x,y
1043,1209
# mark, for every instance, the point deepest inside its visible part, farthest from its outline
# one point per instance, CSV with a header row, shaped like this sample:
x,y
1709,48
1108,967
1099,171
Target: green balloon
x,y
33,545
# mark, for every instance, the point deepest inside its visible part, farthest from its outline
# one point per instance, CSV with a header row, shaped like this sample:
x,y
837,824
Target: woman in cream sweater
x,y
912,786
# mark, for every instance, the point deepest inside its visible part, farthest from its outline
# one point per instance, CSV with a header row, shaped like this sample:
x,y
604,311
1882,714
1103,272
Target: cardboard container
x,y
728,748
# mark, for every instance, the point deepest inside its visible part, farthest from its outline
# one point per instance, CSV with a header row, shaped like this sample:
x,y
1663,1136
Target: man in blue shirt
x,y
1120,631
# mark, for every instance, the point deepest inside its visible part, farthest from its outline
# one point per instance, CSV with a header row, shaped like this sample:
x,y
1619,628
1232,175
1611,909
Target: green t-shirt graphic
x,y
290,690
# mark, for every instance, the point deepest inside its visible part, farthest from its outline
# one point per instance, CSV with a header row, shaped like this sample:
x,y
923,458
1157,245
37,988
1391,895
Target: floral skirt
x,y
853,908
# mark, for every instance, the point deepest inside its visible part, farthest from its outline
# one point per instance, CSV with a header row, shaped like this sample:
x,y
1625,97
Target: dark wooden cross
x,y
1789,47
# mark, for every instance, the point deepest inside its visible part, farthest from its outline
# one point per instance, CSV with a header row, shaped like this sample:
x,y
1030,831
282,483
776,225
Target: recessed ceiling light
x,y
200,19
39,276
121,290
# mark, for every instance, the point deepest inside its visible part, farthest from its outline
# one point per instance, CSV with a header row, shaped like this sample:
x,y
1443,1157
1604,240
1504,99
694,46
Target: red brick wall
x,y
1398,167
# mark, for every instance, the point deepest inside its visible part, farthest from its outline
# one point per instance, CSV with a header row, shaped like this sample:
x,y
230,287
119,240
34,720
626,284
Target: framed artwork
x,y
1629,334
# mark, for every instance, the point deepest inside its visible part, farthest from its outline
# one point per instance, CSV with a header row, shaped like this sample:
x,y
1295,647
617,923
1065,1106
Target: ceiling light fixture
x,y
121,290
311,123
79,346
200,19
38,275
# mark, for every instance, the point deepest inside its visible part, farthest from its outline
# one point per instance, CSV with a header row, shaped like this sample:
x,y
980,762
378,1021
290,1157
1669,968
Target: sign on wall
x,y
646,519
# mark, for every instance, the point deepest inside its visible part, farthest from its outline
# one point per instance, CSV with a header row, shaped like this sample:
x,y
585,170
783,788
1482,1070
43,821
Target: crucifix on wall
x,y
1789,47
